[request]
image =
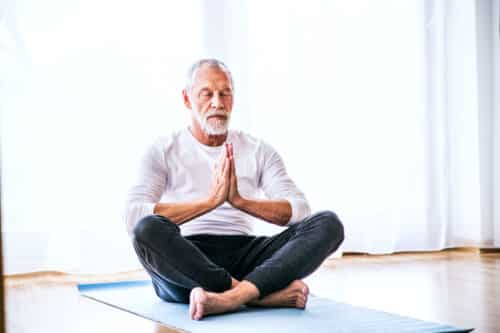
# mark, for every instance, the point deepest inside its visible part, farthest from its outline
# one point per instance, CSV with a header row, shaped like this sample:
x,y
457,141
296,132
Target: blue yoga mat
x,y
321,315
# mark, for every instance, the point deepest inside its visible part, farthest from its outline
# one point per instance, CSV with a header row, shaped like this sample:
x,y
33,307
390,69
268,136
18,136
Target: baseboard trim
x,y
468,249
489,250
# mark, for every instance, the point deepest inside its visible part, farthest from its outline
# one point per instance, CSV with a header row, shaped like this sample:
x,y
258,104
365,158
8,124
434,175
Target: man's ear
x,y
185,98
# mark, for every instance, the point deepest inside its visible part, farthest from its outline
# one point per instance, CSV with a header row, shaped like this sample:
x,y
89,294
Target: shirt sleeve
x,y
148,188
277,184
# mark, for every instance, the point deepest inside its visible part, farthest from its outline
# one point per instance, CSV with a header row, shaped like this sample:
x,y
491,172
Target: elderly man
x,y
188,213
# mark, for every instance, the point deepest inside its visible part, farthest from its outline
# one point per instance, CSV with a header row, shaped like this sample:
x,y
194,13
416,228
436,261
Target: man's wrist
x,y
210,203
238,202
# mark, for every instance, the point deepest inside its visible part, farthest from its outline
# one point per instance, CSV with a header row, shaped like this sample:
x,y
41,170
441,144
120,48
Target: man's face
x,y
211,100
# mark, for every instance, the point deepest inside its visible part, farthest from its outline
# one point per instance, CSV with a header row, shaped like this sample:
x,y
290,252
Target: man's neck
x,y
208,140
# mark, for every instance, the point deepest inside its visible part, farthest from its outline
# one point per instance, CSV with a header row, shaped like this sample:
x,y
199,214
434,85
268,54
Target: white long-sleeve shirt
x,y
179,168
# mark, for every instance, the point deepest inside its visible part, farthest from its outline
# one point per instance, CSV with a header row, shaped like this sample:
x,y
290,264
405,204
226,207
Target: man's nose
x,y
217,102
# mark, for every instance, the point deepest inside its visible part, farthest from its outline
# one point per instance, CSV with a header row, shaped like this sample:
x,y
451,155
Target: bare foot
x,y
294,296
202,303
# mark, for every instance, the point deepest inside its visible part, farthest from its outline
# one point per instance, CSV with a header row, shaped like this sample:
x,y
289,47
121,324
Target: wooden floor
x,y
455,287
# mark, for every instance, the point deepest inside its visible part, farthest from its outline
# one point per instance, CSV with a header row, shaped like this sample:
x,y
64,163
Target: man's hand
x,y
225,182
220,181
225,188
233,195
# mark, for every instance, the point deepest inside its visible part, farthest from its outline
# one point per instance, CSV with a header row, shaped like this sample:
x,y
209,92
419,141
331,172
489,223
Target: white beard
x,y
215,126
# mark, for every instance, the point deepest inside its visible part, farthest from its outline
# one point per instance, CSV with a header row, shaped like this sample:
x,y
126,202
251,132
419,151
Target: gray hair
x,y
211,62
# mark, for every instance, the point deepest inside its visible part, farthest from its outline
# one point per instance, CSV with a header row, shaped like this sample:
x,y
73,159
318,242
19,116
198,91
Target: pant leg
x,y
272,263
175,265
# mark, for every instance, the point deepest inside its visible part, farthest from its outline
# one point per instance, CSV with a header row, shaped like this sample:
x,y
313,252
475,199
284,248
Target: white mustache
x,y
216,113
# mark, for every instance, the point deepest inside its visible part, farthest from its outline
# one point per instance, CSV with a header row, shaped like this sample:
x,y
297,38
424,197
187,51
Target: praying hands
x,y
225,183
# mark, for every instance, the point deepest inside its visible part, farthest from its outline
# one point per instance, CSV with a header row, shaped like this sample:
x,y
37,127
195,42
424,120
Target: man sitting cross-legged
x,y
188,212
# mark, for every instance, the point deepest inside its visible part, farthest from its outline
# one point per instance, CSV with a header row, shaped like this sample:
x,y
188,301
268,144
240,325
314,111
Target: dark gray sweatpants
x,y
178,264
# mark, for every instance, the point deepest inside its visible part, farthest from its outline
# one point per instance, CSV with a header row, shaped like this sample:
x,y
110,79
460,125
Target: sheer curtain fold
x,y
495,121
452,123
385,112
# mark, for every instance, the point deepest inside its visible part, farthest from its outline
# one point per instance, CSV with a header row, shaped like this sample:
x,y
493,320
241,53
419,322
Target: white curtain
x,y
384,112
86,85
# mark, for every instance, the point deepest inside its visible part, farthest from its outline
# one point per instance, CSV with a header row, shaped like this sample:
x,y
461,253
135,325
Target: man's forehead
x,y
211,75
